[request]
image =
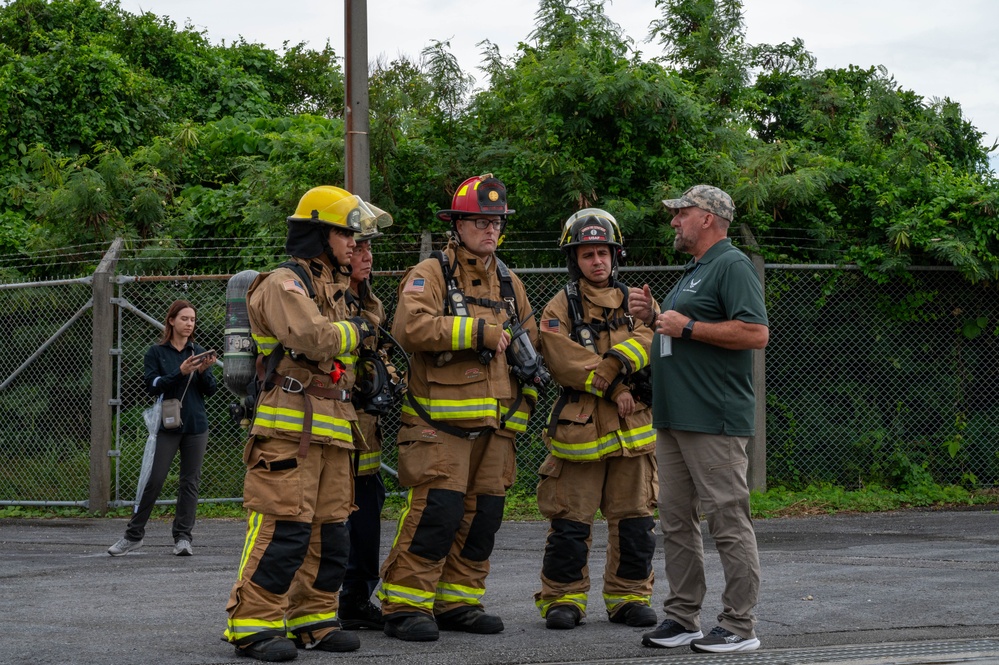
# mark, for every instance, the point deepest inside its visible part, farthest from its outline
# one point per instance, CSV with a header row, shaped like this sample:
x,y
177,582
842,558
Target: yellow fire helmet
x,y
339,208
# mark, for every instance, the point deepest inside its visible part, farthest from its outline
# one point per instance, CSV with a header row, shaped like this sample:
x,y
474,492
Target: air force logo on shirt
x,y
692,285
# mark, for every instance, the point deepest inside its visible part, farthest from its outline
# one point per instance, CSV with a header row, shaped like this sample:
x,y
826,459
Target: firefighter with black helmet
x,y
599,435
377,392
298,488
457,313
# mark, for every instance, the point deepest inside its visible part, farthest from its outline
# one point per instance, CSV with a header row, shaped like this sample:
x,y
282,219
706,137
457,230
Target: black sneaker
x,y
418,628
563,617
337,641
720,640
670,634
355,616
470,620
272,650
635,614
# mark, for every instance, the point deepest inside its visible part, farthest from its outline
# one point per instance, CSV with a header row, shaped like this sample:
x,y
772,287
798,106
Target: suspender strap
x,y
563,400
269,378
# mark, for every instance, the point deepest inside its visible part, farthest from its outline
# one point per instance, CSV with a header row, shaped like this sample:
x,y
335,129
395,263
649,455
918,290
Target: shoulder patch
x,y
295,286
549,325
415,285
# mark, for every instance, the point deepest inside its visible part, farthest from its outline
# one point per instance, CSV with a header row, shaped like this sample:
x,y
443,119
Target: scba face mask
x,y
378,387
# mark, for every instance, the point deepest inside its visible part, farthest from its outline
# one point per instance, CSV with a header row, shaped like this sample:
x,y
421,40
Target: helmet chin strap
x,y
330,256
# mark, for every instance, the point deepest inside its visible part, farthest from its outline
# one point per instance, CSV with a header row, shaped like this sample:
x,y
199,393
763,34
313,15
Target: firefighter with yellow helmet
x,y
599,435
465,319
298,488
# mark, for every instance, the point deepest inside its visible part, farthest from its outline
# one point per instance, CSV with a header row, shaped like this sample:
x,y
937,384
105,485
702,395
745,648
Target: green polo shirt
x,y
701,387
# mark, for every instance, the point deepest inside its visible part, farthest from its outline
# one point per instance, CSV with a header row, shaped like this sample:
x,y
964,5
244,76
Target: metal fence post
x,y
426,245
757,475
102,381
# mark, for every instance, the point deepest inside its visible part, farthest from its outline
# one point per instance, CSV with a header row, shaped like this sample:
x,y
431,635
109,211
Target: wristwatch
x,y
688,329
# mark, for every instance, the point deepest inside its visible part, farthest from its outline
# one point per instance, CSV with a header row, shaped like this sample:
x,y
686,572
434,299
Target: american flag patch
x,y
294,286
549,325
415,285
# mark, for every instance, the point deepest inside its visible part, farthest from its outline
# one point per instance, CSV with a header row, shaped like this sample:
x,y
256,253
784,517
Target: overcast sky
x,y
935,48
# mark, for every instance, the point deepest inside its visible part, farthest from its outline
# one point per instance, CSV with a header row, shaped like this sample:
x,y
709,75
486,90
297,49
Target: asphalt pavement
x,y
901,587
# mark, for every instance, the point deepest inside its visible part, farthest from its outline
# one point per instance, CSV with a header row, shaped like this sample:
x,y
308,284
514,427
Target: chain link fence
x,y
890,383
45,392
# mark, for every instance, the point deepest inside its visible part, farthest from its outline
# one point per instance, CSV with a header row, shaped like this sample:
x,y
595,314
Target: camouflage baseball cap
x,y
704,197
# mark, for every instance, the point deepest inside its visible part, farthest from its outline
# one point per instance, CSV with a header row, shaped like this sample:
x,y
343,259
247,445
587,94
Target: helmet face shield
x,y
591,226
371,219
355,214
339,208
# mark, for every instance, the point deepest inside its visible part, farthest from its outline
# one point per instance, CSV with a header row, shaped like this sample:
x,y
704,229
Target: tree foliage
x,y
125,124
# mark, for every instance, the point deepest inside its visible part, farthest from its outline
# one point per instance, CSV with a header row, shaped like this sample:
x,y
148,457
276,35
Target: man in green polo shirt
x,y
703,407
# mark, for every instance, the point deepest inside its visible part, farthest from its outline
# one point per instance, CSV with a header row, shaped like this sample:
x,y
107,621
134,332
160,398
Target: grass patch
x,y
830,499
522,506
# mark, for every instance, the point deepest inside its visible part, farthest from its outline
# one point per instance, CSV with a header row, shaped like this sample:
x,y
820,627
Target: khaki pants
x,y
440,557
706,473
569,494
296,546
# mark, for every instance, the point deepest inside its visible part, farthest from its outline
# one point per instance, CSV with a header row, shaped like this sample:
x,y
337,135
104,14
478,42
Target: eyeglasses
x,y
481,223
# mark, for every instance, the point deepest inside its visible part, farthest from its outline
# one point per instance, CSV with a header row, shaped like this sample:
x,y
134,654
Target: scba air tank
x,y
240,349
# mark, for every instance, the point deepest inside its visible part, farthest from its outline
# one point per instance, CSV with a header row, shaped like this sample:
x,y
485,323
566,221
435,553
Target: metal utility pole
x,y
357,160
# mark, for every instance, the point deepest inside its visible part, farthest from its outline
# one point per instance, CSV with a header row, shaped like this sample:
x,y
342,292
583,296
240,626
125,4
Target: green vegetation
x,y
118,124
522,506
123,125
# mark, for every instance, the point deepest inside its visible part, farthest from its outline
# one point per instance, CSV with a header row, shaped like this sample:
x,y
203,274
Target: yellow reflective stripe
x,y
402,517
577,599
253,522
298,623
462,328
369,461
292,420
589,385
592,450
518,421
404,595
530,391
265,343
589,450
638,437
348,360
242,628
634,352
612,602
456,409
348,338
455,593
470,409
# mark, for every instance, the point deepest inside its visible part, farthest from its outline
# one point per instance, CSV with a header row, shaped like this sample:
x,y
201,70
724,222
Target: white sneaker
x,y
124,546
183,548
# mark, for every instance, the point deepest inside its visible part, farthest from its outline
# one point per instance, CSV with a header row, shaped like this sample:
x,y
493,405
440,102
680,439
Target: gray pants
x,y
192,453
707,473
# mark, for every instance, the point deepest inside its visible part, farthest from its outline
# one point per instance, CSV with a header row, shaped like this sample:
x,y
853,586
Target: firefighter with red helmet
x,y
600,435
457,314
298,488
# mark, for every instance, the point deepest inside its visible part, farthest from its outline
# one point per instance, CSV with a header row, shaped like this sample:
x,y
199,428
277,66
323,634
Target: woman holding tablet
x,y
175,368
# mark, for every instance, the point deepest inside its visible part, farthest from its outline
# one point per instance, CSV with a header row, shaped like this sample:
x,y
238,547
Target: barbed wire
x,y
158,252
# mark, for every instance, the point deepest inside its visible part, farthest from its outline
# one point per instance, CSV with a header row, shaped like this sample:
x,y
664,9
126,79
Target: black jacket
x,y
163,377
